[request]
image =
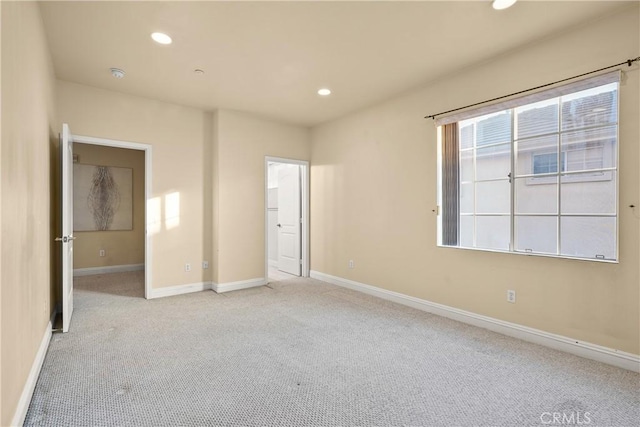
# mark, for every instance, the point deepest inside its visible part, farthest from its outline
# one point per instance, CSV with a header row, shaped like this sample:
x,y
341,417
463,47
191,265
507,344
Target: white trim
x,y
533,254
107,269
148,163
148,193
587,350
304,184
179,290
34,373
242,284
306,192
273,263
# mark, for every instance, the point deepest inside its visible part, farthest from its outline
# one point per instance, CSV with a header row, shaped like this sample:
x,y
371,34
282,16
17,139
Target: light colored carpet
x,y
305,353
277,275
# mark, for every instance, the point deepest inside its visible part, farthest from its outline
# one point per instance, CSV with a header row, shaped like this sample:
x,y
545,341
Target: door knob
x,y
279,225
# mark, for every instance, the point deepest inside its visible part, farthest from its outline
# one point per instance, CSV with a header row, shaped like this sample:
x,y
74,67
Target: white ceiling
x,y
270,58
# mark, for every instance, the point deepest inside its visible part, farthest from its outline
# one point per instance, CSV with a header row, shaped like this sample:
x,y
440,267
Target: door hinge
x,y
300,261
300,220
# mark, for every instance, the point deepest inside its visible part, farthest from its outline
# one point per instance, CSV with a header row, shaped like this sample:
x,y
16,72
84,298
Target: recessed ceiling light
x,y
503,4
324,92
161,38
117,73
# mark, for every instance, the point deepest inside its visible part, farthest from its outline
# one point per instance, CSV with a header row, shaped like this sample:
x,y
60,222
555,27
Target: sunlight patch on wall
x,y
172,210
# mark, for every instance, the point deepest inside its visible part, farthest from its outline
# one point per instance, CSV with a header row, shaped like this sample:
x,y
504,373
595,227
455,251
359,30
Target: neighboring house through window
x,y
538,175
548,163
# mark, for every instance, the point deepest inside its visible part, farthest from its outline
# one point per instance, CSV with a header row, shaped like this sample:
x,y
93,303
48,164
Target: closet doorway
x,y
286,218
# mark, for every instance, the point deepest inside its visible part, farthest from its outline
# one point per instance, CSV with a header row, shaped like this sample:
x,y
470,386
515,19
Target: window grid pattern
x,y
580,142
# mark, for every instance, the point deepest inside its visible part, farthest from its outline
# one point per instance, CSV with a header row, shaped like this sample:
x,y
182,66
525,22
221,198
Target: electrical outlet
x,y
205,265
187,267
351,264
511,296
101,252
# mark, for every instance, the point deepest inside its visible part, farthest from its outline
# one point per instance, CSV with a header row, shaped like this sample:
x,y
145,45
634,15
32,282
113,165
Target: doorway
x,y
109,219
286,218
141,183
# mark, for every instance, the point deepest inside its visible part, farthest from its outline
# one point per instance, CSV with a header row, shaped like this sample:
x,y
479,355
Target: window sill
x,y
532,254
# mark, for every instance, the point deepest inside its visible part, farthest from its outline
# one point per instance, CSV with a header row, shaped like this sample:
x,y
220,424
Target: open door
x,y
66,240
289,219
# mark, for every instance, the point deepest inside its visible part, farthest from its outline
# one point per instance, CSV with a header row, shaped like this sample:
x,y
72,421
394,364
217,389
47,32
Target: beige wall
x,y
213,161
28,147
373,189
179,136
215,199
242,142
122,247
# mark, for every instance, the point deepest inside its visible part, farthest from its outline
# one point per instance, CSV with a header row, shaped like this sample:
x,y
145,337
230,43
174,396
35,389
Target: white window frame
x,y
564,176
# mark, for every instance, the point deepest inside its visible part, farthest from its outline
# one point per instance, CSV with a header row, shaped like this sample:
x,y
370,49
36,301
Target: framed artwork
x,y
102,198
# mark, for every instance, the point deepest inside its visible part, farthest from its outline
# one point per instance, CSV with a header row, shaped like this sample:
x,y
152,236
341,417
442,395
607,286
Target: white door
x,y
66,154
289,219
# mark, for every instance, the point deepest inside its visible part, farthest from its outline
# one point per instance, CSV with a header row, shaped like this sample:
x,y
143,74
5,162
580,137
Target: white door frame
x,y
304,186
66,237
147,193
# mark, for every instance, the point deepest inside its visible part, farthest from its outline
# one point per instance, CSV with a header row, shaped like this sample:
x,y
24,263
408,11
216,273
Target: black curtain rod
x,y
628,62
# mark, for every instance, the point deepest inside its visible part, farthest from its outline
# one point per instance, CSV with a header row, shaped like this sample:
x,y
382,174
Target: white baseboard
x,y
179,290
587,350
90,271
34,373
242,284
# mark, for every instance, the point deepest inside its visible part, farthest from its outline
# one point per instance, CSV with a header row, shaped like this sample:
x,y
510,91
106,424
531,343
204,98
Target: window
x,y
548,163
537,176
